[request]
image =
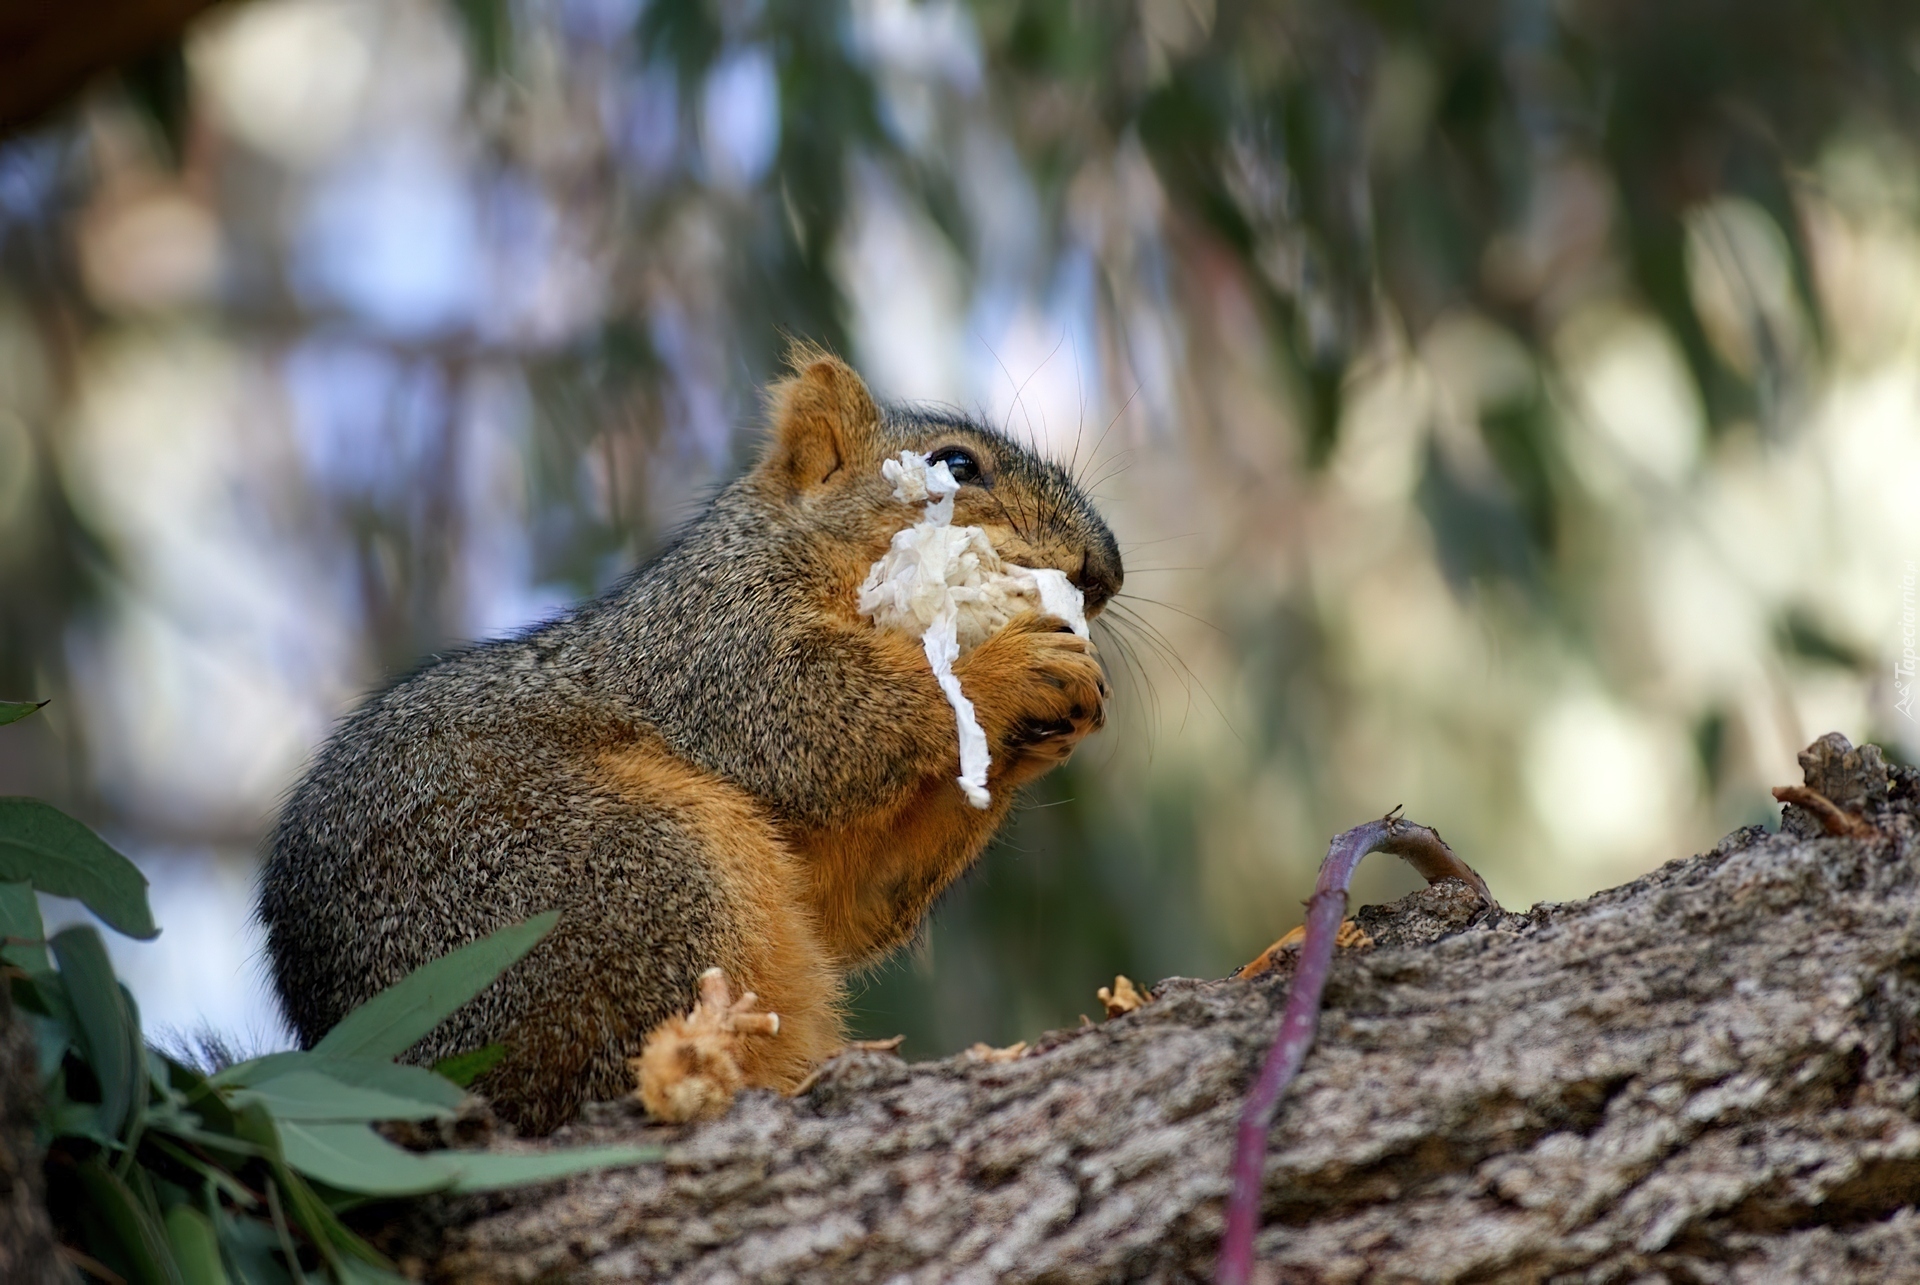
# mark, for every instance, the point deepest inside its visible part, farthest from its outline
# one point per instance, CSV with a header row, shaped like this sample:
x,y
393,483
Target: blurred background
x,y
1509,410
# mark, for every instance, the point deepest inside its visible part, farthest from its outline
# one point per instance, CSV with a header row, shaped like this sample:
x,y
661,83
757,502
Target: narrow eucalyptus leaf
x,y
52,1037
225,1144
41,845
310,1095
251,1245
488,1171
305,1209
215,1114
40,993
401,1016
108,1037
167,1115
140,1085
354,1158
14,711
22,935
415,1082
253,1124
202,1099
138,1243
255,1070
68,1119
195,1247
316,1212
211,1174
159,1069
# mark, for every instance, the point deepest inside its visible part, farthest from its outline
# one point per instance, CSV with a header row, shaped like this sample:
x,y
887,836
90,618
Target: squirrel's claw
x,y
1040,689
689,1068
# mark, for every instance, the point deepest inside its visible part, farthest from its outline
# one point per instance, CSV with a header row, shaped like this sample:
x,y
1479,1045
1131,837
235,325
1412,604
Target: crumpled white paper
x,y
946,584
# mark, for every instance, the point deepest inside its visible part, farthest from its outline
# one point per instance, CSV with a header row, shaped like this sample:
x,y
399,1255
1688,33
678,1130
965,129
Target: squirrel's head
x,y
823,459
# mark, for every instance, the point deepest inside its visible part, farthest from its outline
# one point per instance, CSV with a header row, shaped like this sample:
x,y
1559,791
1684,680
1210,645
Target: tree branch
x,y
1711,1073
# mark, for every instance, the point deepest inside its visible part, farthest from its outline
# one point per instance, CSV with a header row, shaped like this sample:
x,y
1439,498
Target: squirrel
x,y
719,764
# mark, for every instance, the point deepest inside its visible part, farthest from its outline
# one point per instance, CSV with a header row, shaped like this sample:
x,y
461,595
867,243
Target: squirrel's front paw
x,y
689,1068
1039,686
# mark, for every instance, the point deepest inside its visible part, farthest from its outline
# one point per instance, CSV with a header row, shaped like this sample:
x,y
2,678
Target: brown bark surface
x,y
1709,1074
27,1254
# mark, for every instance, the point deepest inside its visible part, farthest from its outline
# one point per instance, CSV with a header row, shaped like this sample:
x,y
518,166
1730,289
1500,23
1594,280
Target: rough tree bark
x,y
1709,1074
27,1254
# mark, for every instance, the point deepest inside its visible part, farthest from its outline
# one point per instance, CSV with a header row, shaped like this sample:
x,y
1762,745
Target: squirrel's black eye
x,y
959,462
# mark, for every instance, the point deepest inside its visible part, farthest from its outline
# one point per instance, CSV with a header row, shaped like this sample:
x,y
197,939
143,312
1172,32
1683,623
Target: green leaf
x,y
288,1192
41,845
200,1097
276,1209
14,711
315,1214
487,1171
412,1082
211,1174
304,1208
40,993
67,1119
138,1243
253,1124
20,920
309,1095
109,1032
464,1068
195,1248
354,1158
401,1016
251,1245
232,1145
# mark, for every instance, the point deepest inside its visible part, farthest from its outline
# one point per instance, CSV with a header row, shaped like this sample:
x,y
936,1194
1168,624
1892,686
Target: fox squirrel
x,y
718,764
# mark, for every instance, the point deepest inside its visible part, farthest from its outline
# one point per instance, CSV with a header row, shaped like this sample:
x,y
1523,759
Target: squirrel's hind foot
x,y
689,1068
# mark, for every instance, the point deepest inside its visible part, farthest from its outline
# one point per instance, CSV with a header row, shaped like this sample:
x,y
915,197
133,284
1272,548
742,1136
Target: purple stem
x,y
1421,848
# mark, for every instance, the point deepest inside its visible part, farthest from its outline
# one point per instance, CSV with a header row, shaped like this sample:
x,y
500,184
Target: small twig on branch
x,y
1832,817
1424,850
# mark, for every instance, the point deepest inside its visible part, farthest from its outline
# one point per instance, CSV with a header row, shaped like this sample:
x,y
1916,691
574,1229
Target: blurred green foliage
x,y
1352,155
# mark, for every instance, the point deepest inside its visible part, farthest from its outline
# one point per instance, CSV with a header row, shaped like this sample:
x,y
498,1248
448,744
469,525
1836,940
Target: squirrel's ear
x,y
819,415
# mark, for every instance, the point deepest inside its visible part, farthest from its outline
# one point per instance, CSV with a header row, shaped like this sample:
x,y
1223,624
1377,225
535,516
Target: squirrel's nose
x,y
1099,577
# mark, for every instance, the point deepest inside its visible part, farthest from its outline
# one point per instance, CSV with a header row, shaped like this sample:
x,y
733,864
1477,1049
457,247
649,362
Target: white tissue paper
x,y
946,584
